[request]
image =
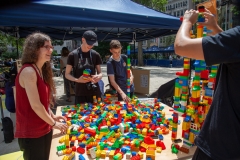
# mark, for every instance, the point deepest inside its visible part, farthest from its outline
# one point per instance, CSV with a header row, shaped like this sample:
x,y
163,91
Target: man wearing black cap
x,y
219,136
80,59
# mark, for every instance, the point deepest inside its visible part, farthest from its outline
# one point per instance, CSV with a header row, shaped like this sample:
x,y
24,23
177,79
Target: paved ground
x,y
158,76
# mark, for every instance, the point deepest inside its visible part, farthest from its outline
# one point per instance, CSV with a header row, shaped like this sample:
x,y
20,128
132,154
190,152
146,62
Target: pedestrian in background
x,y
63,62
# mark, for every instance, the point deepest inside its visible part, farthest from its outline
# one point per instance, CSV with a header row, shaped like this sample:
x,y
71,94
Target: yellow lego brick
x,y
160,131
159,149
174,125
68,131
65,158
71,156
98,154
80,137
61,140
150,153
86,125
147,125
100,136
152,146
103,154
117,135
64,151
144,145
185,125
69,123
111,154
140,154
177,92
73,138
144,131
163,114
127,142
67,140
191,137
108,123
98,147
138,131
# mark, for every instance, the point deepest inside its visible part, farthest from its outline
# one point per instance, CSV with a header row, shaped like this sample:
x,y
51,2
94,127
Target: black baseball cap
x,y
91,38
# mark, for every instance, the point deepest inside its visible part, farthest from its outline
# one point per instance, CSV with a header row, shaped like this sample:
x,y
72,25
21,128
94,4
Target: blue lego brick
x,y
134,153
80,157
187,118
82,145
179,122
160,137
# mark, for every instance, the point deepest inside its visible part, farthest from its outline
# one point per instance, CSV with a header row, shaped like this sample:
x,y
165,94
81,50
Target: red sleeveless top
x,y
28,123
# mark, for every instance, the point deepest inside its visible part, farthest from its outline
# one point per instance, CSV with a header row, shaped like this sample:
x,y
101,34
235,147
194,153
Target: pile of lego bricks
x,y
114,130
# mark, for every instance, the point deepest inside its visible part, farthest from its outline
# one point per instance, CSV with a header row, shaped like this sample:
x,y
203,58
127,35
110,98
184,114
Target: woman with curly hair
x,y
63,62
34,90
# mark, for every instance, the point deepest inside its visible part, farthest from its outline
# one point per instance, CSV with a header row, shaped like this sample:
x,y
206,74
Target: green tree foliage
x,y
170,40
8,55
6,39
57,42
54,53
154,4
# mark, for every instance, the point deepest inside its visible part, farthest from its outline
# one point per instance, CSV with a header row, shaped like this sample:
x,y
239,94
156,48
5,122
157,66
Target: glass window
x,y
178,14
176,5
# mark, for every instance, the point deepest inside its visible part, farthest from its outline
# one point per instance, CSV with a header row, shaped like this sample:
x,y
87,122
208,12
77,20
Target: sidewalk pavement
x,y
158,76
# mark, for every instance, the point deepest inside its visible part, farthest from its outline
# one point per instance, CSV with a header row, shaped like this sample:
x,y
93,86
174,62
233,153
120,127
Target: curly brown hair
x,y
64,52
31,48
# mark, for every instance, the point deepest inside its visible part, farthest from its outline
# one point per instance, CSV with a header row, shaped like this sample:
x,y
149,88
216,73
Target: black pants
x,y
200,155
120,97
36,148
85,99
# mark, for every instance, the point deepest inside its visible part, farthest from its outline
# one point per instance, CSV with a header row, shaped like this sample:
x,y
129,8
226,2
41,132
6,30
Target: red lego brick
x,y
163,146
148,140
137,157
80,150
90,131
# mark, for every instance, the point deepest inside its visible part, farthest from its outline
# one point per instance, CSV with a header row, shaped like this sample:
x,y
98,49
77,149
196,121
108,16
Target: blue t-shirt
x,y
120,74
219,137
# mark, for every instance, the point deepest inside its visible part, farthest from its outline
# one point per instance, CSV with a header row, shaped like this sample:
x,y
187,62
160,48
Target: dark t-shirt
x,y
220,135
81,88
120,75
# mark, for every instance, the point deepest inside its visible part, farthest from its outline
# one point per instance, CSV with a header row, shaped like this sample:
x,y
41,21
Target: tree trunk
x,y
140,54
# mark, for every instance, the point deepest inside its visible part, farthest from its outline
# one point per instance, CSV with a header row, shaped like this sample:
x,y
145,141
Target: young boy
x,y
117,71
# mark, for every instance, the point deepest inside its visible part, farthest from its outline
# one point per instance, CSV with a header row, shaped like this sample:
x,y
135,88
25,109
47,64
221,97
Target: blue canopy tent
x,y
67,19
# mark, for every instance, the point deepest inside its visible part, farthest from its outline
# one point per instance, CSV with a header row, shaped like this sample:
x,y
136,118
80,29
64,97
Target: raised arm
x,y
192,48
